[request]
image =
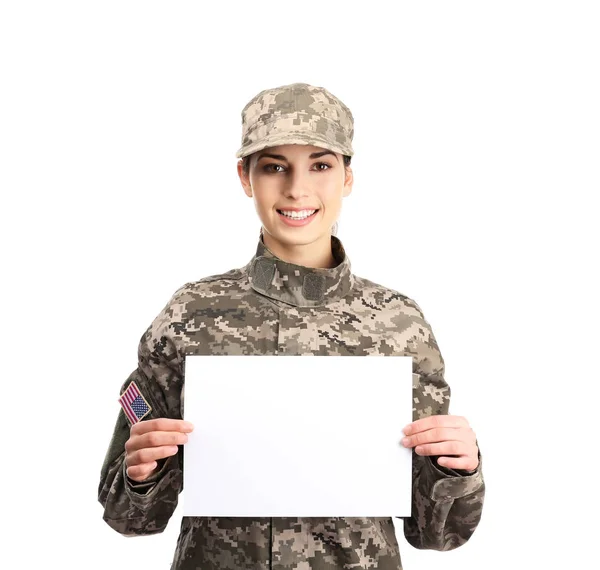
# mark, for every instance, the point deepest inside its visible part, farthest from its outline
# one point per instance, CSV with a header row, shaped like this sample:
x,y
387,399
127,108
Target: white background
x,y
476,173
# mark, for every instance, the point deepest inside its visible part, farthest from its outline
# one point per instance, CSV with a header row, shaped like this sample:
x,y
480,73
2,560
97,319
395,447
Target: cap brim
x,y
294,137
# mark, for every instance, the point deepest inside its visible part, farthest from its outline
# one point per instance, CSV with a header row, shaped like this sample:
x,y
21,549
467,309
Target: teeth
x,y
298,215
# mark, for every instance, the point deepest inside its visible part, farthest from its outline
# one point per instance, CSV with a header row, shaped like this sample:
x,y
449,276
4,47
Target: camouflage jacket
x,y
271,307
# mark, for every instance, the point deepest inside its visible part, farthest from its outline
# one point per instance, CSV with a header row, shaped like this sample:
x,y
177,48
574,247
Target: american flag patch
x,y
134,404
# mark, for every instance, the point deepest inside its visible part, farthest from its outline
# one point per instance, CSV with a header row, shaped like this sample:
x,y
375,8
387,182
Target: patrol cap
x,y
297,113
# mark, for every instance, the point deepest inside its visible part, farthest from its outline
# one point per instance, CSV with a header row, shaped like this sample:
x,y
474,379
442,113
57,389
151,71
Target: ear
x,y
244,179
348,182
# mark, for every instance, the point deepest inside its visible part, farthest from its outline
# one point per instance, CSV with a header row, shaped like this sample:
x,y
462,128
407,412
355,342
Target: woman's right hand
x,y
151,440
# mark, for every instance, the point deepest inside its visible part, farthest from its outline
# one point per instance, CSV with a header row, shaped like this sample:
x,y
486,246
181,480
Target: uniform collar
x,y
299,285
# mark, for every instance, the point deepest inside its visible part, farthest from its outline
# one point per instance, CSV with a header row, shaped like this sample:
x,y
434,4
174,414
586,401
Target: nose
x,y
298,184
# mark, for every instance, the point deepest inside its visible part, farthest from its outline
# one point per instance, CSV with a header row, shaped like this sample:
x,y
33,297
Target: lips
x,y
297,221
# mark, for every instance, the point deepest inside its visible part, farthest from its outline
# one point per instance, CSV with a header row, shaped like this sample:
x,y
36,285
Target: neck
x,y
315,254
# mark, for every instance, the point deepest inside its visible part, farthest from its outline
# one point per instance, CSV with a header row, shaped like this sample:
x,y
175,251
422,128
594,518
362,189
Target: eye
x,y
267,168
323,164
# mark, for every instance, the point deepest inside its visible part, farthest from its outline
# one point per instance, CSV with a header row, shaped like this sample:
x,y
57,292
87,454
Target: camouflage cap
x,y
297,113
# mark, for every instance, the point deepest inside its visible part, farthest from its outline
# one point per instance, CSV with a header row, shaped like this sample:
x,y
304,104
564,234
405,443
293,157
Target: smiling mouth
x,y
315,210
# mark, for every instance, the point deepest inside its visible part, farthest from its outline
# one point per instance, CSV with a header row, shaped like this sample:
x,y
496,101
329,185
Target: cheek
x,y
332,199
264,198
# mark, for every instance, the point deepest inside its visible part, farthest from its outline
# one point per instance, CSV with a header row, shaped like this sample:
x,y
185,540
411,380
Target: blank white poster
x,y
292,436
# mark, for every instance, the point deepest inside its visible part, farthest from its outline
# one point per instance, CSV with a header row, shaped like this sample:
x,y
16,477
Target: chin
x,y
302,239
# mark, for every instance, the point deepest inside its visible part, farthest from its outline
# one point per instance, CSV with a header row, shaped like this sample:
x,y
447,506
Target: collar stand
x,y
299,285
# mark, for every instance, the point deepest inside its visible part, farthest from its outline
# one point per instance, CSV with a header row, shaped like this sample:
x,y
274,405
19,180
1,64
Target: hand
x,y
151,440
448,436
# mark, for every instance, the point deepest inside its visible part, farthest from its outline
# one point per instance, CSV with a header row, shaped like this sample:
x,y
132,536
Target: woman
x,y
296,296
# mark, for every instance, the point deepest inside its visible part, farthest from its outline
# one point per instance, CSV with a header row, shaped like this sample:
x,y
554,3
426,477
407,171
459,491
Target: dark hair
x,y
246,162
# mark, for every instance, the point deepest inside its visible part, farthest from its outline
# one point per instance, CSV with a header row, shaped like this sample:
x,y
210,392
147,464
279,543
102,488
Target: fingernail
x,y
188,425
405,441
406,430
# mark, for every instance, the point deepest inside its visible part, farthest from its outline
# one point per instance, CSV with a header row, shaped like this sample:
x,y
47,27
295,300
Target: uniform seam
x,y
217,278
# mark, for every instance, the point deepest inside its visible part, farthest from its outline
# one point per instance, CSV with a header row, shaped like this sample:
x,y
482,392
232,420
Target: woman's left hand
x,y
448,436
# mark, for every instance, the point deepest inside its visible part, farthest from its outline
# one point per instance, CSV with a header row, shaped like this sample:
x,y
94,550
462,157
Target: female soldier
x,y
296,296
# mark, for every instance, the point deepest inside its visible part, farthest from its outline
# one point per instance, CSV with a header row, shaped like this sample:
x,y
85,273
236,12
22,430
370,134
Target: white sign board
x,y
297,436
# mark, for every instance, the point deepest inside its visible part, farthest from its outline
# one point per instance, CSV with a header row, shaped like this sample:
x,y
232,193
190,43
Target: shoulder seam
x,y
217,278
227,276
384,288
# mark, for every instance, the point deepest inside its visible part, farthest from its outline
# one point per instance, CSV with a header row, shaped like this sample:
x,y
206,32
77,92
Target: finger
x,y
155,439
439,420
141,472
434,435
150,454
161,424
445,448
467,463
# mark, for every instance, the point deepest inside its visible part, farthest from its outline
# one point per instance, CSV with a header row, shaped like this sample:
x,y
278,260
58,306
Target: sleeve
x,y
446,503
139,508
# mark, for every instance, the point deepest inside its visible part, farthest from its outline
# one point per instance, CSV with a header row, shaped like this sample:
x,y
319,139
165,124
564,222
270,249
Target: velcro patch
x,y
135,406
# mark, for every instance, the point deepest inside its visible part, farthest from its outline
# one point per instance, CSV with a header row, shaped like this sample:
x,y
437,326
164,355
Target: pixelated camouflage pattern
x,y
272,307
297,113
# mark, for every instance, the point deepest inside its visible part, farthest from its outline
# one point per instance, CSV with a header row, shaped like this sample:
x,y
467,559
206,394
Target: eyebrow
x,y
281,157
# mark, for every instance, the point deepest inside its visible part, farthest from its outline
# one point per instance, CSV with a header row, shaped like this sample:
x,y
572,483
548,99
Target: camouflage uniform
x,y
273,307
